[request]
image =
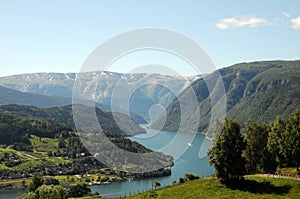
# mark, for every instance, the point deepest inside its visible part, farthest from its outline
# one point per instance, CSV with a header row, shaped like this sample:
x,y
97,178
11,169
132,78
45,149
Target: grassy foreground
x,y
254,187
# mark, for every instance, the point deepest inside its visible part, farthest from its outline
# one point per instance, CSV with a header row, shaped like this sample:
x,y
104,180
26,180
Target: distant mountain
x,y
64,115
149,89
10,96
256,91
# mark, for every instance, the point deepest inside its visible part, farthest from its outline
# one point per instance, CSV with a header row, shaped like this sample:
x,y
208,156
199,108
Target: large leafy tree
x,y
51,192
258,158
291,141
36,182
226,153
46,192
275,144
80,190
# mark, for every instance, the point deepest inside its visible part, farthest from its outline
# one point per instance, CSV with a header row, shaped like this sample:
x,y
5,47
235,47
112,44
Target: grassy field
x,y
32,159
44,144
254,187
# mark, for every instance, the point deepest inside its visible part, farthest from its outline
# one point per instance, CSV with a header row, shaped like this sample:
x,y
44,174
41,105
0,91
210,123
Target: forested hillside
x,y
256,91
30,142
64,115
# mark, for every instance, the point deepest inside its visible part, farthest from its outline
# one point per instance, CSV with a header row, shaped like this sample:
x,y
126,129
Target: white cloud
x,y
222,26
286,14
296,23
240,21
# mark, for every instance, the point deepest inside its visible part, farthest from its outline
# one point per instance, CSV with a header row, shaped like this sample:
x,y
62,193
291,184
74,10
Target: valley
x,y
148,89
38,135
35,145
149,99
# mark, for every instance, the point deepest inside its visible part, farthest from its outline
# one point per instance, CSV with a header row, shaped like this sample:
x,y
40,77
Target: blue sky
x,y
57,36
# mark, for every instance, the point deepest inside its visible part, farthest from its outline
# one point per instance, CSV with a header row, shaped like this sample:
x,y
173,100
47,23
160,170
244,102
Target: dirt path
x,y
30,156
14,181
23,155
278,176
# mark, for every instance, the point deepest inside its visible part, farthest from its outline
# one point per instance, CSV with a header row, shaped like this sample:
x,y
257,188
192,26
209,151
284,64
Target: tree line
x,y
257,148
40,188
18,129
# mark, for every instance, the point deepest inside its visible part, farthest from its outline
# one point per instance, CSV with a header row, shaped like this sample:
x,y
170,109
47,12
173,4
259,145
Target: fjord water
x,y
189,162
11,193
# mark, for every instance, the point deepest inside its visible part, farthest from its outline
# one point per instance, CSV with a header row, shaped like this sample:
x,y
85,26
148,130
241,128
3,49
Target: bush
x,y
181,180
79,191
190,176
51,181
22,147
13,163
37,181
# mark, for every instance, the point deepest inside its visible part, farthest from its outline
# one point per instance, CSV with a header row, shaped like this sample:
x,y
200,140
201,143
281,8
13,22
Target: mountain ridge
x,y
99,86
255,91
11,96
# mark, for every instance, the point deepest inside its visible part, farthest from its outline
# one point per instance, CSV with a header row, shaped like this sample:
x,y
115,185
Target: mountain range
x,y
255,92
147,89
11,96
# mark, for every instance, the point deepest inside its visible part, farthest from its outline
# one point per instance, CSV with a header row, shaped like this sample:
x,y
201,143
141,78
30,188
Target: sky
x,y
58,36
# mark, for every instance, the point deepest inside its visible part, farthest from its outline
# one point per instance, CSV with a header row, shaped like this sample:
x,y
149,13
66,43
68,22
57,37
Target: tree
x,y
156,184
51,192
258,158
51,181
30,195
61,142
181,180
291,141
275,141
190,176
46,192
36,182
226,153
79,190
60,192
216,131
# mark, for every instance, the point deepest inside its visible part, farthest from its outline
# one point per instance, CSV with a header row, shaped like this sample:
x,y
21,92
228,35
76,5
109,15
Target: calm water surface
x,y
189,162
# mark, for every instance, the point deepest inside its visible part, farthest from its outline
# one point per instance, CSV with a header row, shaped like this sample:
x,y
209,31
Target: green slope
x,y
257,91
24,140
64,115
258,187
10,96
